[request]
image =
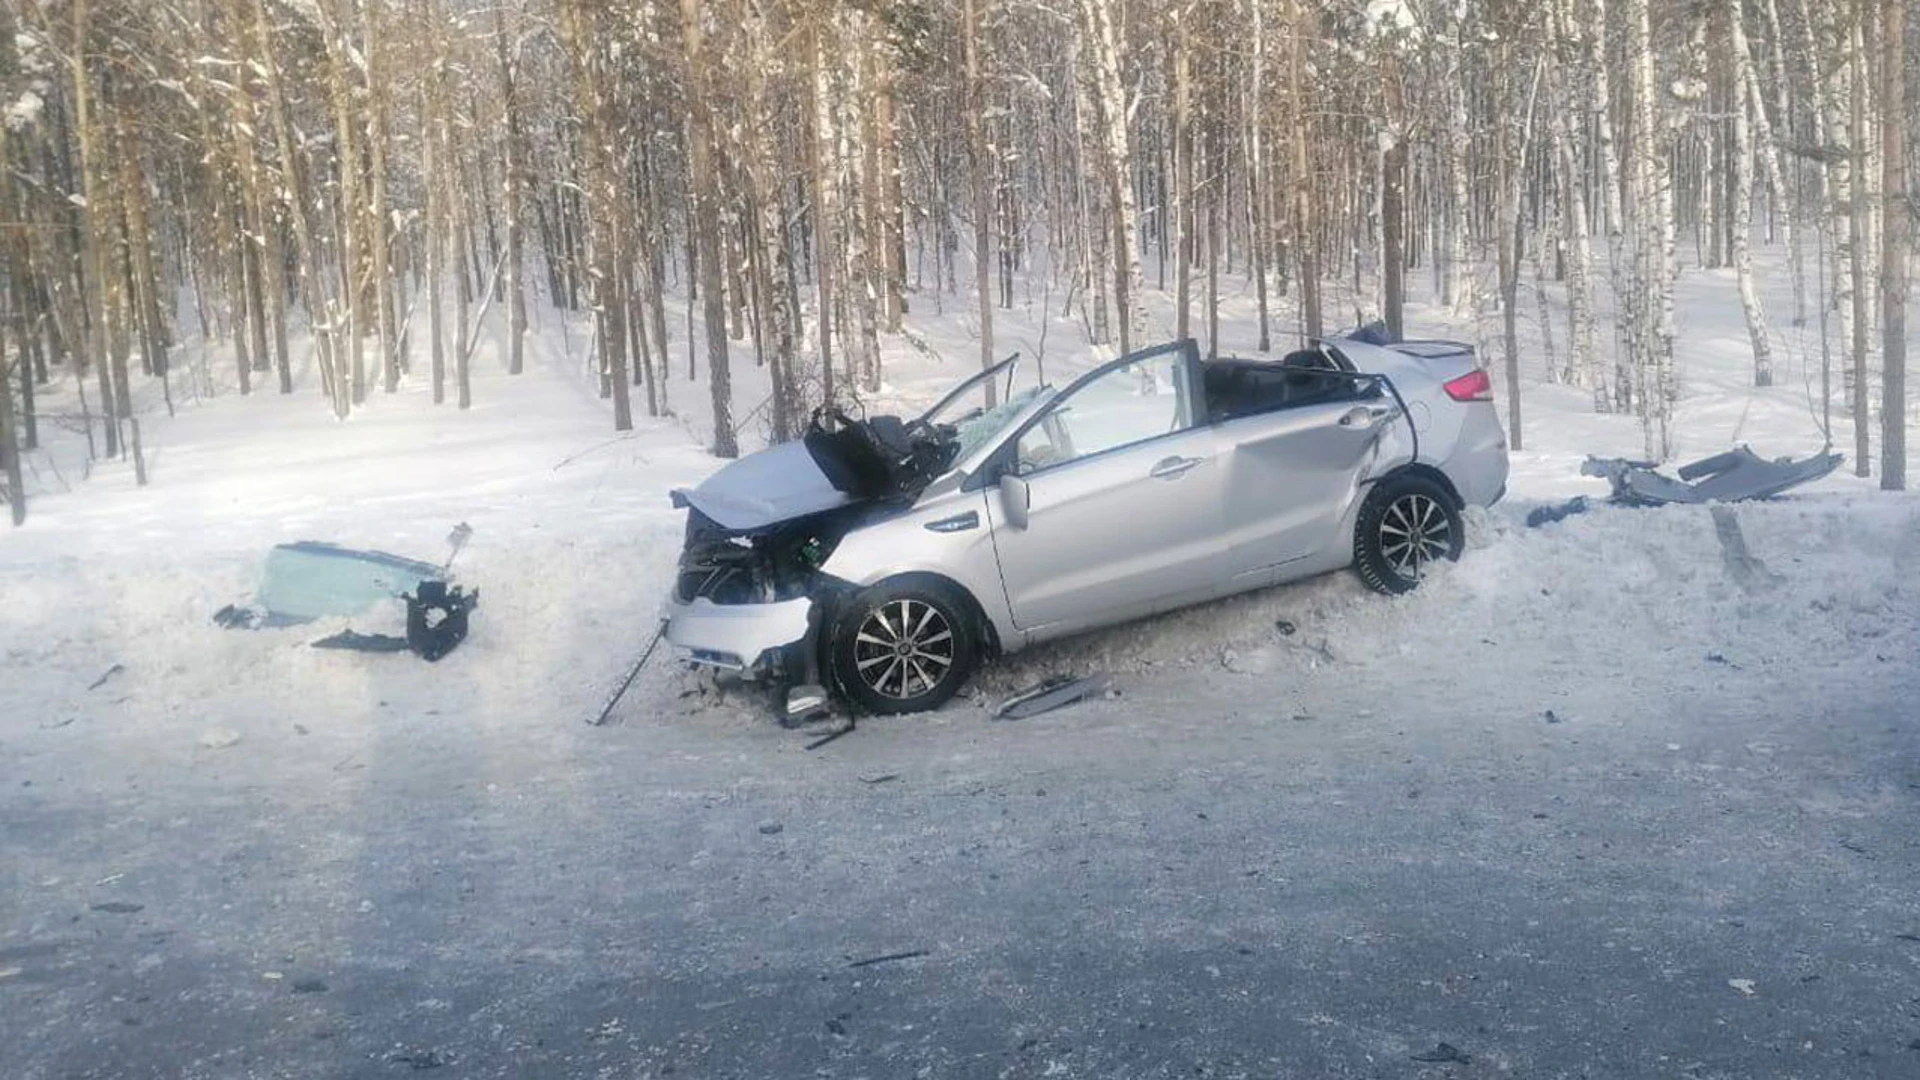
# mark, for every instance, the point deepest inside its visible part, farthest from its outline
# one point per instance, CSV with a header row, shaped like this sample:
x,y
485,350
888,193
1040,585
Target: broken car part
x,y
1053,692
1734,476
600,719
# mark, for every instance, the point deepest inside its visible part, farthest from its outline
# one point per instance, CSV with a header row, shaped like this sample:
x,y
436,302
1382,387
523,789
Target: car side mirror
x,y
1015,497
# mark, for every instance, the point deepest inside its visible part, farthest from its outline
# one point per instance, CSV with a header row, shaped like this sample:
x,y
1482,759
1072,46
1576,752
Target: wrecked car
x,y
885,558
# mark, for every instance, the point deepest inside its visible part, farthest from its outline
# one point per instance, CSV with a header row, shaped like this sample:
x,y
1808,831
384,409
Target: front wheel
x,y
903,647
1406,523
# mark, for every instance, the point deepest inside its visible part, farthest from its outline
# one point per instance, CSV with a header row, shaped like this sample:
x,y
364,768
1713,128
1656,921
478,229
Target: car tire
x,y
903,647
1405,523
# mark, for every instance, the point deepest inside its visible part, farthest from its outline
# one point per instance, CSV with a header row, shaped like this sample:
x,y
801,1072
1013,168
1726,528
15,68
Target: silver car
x,y
885,558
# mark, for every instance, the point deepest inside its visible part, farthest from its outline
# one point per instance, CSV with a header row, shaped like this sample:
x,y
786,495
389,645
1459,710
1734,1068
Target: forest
x,y
359,186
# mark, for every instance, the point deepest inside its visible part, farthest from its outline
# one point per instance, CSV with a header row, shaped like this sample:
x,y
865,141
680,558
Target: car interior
x,y
1236,387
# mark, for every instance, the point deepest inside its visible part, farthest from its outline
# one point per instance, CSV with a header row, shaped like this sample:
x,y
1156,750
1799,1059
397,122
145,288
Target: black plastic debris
x,y
1443,1053
1547,515
1053,692
437,618
355,641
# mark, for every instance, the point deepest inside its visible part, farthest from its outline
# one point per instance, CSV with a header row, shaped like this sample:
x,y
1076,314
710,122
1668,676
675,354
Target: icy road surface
x,y
1581,807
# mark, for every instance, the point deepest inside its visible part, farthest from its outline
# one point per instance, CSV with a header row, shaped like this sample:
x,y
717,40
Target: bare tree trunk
x,y
347,158
1181,138
1745,103
506,54
1654,199
977,165
313,281
1579,232
1858,226
1894,98
1256,167
1098,19
703,189
435,239
1302,180
380,255
1393,220
92,337
818,148
9,441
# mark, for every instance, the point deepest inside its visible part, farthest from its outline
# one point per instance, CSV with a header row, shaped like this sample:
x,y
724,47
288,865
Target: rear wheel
x,y
1406,524
903,647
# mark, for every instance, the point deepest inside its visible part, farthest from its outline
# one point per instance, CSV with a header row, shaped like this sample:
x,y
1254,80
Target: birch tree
x,y
1746,104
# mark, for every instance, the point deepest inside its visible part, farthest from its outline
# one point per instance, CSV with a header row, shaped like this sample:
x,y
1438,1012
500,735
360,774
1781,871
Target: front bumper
x,y
738,637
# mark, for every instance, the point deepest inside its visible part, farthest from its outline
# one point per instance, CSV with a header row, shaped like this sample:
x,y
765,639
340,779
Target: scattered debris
x,y
1053,692
770,828
437,618
119,907
1745,986
312,580
1735,476
358,642
646,654
456,542
1443,1053
804,704
233,617
887,959
108,674
1547,515
830,736
219,738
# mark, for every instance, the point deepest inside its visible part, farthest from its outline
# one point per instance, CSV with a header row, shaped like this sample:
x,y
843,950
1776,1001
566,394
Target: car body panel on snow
x,y
887,555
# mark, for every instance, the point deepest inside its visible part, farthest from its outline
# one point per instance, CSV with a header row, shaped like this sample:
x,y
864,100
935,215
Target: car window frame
x,y
1339,367
1000,462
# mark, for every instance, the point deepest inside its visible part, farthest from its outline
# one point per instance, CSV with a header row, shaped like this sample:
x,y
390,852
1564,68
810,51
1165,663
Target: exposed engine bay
x,y
881,464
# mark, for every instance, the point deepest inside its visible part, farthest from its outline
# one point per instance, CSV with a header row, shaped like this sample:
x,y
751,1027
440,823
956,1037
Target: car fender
x,y
949,537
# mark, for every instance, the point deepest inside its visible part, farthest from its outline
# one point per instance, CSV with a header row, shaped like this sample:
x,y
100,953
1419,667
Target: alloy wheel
x,y
903,649
1413,532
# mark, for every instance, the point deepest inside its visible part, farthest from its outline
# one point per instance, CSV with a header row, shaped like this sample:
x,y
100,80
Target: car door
x,y
1289,474
1121,484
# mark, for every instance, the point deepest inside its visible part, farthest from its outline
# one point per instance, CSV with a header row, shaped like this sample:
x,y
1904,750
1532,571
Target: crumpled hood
x,y
777,484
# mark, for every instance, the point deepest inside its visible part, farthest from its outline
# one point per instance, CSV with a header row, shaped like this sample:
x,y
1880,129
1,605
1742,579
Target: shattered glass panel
x,y
311,580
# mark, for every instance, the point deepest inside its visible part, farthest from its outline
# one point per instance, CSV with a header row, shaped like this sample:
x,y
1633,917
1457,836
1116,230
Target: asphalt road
x,y
1359,876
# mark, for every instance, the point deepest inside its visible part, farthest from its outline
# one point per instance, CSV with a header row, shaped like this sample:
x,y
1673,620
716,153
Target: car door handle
x,y
1365,416
1169,468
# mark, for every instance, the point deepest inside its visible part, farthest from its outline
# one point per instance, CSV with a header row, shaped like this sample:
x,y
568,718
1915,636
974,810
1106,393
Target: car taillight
x,y
1475,385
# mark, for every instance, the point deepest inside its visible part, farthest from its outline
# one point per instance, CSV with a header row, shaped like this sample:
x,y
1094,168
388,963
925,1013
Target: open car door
x,y
1109,500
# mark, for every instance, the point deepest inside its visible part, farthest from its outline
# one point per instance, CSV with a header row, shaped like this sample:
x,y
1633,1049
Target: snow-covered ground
x,y
1610,642
574,537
